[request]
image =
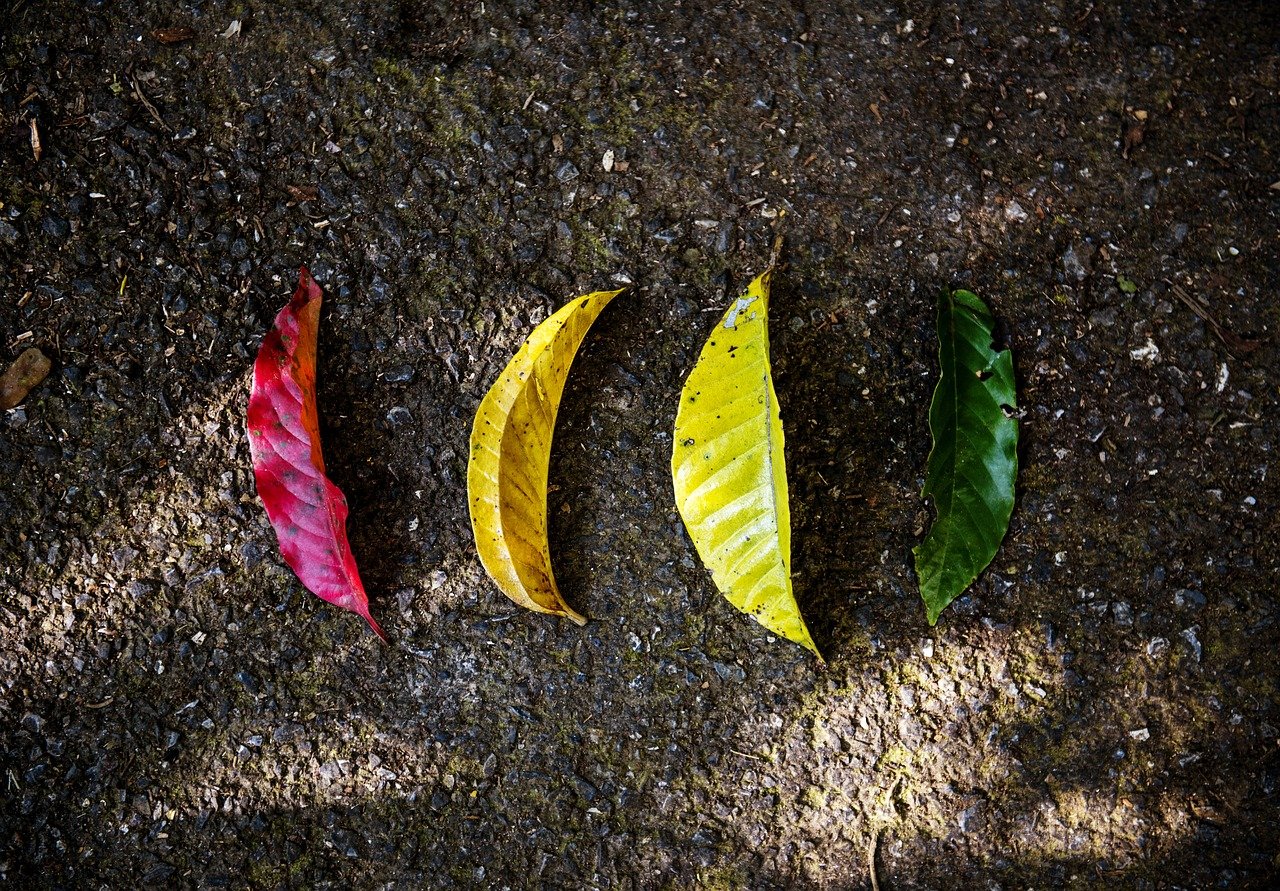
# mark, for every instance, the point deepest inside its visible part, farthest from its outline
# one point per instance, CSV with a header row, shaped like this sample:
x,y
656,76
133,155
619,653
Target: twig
x,y
884,216
1234,343
872,844
776,252
146,103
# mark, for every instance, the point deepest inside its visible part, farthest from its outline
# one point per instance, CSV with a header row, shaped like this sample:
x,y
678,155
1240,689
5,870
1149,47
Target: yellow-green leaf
x,y
729,470
510,454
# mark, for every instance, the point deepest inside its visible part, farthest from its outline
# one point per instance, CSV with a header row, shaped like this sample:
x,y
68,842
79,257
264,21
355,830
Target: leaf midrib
x,y
769,397
948,376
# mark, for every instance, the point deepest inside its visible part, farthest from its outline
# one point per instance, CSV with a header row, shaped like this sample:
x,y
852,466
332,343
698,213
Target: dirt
x,y
1100,709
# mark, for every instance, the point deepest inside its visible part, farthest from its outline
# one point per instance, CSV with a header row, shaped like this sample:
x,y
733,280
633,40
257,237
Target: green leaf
x,y
974,461
729,468
1127,285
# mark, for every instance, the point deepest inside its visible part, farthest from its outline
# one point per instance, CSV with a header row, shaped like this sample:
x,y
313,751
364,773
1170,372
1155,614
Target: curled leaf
x,y
729,468
307,511
974,460
511,453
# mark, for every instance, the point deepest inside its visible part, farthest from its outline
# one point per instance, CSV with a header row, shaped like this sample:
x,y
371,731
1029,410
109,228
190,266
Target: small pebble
x,y
56,226
1189,635
1122,613
733,673
1188,598
404,598
249,681
1072,265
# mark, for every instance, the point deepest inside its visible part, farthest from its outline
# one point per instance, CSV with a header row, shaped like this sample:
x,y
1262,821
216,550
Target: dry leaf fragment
x,y
511,453
24,375
36,148
304,193
173,35
1134,134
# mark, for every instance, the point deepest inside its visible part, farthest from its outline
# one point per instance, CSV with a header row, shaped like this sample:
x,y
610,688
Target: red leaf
x,y
308,512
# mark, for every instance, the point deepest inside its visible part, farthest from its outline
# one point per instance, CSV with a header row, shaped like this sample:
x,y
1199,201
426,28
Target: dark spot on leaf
x,y
984,374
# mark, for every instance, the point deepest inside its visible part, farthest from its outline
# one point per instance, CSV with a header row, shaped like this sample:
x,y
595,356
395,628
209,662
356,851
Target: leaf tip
x,y
377,629
308,289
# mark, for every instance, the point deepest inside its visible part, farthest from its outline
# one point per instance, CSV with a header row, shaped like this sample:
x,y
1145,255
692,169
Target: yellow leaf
x,y
510,454
729,470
